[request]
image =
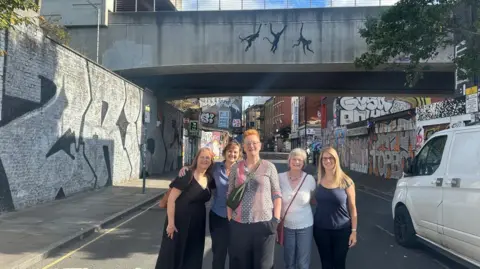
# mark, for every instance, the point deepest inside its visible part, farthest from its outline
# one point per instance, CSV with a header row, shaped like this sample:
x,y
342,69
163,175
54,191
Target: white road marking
x,y
98,237
385,230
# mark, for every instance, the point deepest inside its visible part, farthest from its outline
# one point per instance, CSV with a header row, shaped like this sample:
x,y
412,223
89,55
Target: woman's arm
x,y
231,185
352,206
276,192
174,193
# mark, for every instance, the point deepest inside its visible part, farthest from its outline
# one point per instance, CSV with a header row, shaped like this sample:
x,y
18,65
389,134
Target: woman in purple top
x,y
218,222
335,219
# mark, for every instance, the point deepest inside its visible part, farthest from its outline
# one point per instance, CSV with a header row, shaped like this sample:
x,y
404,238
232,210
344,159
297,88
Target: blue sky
x,y
272,4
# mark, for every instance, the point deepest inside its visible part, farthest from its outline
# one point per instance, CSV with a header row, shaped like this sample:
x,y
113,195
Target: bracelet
x,y
354,230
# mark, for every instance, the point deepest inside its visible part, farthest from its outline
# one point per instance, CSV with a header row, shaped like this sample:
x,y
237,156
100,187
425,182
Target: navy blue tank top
x,y
332,209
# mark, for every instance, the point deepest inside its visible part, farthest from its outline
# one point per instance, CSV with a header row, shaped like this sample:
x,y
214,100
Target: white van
x,y
438,198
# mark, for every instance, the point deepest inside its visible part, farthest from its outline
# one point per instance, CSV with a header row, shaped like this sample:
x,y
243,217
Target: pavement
x,y
30,235
134,241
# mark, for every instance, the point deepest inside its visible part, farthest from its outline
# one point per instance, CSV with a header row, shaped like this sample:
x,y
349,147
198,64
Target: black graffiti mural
x,y
69,137
122,124
15,107
6,201
108,163
305,43
249,39
276,38
104,111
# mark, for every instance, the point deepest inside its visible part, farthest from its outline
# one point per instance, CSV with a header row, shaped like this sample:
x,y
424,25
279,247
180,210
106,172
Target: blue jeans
x,y
297,247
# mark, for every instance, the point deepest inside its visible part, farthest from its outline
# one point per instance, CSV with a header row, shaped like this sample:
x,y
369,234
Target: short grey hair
x,y
298,152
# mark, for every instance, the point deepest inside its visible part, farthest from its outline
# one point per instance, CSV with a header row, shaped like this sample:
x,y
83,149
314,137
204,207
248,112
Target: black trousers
x,y
252,246
332,246
219,231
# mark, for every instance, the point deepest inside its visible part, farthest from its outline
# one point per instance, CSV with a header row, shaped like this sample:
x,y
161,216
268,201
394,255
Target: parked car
x,y
437,201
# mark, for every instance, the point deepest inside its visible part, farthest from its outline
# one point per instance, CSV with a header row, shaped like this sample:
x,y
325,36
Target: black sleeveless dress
x,y
185,250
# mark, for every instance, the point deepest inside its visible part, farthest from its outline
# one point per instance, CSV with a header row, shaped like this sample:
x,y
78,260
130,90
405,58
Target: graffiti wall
x,y
222,113
355,109
446,108
68,125
390,146
359,154
213,141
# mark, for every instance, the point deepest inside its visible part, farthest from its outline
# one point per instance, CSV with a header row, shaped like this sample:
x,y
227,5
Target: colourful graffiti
x,y
359,154
213,141
390,150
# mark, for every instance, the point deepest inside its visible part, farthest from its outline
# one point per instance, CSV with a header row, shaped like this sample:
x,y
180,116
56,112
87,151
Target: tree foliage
x,y
417,30
10,12
15,12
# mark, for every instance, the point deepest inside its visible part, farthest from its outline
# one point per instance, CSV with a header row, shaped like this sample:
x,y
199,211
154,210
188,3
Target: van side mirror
x,y
408,169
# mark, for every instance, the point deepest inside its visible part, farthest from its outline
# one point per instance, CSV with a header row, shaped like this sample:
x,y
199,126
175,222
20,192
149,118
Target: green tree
x,y
10,12
417,30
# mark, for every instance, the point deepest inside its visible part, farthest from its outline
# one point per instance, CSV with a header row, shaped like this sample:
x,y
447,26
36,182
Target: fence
x,y
205,5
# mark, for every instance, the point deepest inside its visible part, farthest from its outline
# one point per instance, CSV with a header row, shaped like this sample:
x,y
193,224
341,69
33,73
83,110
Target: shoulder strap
x,y
286,211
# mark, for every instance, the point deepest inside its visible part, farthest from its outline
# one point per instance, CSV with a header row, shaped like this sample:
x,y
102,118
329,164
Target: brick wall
x,y
68,125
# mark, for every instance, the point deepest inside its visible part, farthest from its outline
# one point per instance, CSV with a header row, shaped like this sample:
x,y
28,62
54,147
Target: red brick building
x,y
316,116
278,114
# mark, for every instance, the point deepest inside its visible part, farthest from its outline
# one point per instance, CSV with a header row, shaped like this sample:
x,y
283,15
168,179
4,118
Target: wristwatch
x,y
354,230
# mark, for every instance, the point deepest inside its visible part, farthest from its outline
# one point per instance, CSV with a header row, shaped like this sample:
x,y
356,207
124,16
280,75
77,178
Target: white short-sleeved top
x,y
300,214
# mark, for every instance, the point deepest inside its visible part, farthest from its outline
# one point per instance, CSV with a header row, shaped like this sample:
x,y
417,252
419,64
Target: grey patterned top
x,y
260,192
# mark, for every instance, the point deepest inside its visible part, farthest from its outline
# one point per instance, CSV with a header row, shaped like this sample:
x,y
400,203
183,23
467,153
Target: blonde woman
x,y
335,219
298,221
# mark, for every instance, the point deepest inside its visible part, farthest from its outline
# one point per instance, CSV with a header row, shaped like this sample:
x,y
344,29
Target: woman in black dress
x,y
184,237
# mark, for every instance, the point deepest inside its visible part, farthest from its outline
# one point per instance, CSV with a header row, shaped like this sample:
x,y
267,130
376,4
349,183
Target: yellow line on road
x,y
95,239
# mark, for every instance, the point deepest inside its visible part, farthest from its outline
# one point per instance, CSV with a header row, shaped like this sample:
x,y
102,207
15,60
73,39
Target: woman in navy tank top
x,y
335,219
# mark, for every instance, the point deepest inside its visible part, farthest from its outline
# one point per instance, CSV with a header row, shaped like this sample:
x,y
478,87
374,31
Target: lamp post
x,y
98,26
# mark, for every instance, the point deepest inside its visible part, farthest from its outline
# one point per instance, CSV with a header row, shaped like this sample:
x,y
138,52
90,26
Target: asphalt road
x,y
136,243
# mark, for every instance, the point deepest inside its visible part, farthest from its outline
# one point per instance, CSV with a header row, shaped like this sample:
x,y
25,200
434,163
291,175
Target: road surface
x,y
135,244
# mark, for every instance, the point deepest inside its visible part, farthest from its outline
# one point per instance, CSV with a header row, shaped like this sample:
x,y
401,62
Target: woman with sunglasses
x,y
219,230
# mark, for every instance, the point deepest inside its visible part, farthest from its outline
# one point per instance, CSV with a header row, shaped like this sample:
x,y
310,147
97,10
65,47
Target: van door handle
x,y
456,182
438,182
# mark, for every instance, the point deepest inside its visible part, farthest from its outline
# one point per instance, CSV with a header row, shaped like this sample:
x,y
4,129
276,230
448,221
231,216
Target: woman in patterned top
x,y
253,224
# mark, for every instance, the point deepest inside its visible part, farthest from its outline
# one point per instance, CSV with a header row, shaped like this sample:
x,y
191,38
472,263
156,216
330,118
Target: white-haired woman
x,y
297,187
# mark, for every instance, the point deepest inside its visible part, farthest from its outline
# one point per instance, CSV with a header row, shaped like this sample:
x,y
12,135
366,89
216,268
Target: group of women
x,y
250,200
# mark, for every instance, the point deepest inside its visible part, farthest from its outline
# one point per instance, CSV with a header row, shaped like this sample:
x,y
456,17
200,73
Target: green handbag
x,y
238,192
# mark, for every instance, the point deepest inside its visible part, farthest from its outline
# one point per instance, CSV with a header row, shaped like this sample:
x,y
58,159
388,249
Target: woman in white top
x,y
298,222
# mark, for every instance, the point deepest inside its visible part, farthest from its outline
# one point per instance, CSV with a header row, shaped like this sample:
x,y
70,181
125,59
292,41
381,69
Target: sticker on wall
x,y
207,117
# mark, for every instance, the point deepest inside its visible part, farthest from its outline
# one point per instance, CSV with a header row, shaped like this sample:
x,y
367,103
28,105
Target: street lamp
x,y
98,25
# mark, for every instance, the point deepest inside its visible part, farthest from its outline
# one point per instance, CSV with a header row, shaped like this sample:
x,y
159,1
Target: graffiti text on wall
x,y
359,154
354,109
389,151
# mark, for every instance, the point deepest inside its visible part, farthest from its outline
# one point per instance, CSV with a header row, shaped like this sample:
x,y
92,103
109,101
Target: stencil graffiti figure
x,y
250,38
276,38
305,43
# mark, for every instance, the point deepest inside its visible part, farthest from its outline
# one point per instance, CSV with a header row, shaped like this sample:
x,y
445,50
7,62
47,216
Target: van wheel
x,y
403,228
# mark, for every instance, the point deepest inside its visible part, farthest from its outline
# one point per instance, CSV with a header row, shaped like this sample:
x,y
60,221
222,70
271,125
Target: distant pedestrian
x,y
297,190
254,206
183,241
335,219
219,224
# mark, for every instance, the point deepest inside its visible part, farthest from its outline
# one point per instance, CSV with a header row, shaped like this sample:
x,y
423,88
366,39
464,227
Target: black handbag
x,y
238,192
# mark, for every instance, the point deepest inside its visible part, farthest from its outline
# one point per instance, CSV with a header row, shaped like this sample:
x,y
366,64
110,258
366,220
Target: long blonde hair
x,y
340,178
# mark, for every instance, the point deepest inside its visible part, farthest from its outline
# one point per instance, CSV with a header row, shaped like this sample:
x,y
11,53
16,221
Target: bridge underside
x,y
178,86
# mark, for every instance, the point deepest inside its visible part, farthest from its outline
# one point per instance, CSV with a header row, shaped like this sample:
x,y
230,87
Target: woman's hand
x,y
171,229
353,240
183,171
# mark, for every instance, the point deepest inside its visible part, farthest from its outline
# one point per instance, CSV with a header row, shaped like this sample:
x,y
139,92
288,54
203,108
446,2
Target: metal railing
x,y
212,5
